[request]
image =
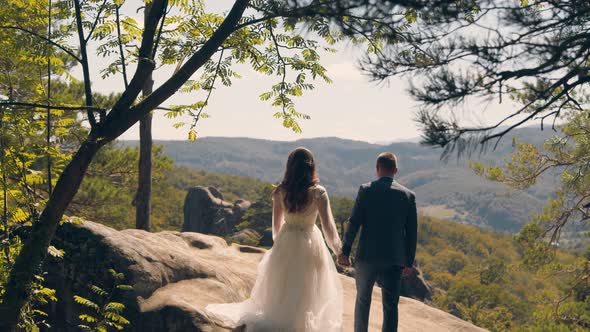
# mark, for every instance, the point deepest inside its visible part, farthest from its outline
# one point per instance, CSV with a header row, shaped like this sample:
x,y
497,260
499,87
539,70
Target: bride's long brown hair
x,y
300,175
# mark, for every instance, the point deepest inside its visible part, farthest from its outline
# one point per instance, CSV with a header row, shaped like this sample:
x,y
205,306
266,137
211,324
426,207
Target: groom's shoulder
x,y
366,186
397,186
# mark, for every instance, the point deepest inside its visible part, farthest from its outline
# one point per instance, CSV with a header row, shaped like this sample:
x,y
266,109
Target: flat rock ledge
x,y
175,275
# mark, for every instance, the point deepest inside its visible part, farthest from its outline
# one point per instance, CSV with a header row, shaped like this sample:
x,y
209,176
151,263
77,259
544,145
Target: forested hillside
x,y
443,187
478,274
107,194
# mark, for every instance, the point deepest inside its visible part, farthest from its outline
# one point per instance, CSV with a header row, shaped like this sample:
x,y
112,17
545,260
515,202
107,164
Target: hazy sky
x,y
351,107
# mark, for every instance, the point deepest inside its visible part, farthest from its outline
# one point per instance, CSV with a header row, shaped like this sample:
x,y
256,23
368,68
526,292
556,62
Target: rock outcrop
x,y
416,287
246,236
413,285
175,275
206,212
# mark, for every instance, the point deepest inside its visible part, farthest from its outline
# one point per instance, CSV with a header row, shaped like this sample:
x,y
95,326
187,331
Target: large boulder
x,y
206,212
175,275
415,286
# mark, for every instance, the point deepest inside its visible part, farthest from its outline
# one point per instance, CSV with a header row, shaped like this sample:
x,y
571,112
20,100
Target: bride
x,y
297,287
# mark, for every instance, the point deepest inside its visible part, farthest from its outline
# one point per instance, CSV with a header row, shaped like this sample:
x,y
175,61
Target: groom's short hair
x,y
387,161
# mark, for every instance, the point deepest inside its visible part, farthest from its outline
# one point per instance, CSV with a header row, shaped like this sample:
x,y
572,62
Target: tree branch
x,y
118,122
157,41
295,13
96,19
198,115
121,52
64,108
61,47
283,66
145,64
48,123
84,62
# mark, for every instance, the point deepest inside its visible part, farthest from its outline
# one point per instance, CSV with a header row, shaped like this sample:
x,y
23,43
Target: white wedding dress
x,y
297,287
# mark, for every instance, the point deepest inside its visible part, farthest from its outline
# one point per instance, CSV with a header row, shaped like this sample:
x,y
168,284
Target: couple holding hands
x,y
297,287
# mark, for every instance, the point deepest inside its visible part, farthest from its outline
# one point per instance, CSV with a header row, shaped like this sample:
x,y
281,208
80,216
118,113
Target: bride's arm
x,y
328,224
278,214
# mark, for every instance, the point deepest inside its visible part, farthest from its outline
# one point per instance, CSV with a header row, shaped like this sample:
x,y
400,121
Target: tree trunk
x,y
121,118
34,250
144,181
143,195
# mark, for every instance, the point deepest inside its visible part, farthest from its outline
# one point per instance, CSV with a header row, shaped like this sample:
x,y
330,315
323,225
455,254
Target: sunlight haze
x,y
352,107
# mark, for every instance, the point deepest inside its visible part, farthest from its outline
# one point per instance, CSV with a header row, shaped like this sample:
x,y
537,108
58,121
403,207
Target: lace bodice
x,y
306,219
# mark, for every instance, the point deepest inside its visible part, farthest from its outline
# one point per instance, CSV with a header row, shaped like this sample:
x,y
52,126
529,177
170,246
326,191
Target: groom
x,y
386,213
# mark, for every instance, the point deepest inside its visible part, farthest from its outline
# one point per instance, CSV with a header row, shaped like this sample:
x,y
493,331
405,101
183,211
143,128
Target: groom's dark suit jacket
x,y
385,212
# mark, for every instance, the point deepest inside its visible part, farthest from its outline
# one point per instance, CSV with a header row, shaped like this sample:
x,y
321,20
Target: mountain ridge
x,y
344,165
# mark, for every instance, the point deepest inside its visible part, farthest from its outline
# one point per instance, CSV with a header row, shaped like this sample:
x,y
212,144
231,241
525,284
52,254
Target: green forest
x,y
479,275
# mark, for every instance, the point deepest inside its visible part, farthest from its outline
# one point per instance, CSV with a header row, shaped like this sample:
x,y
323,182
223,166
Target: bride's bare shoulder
x,y
277,192
319,190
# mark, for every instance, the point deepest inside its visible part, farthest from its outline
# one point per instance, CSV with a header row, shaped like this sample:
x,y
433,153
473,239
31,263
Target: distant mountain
x,y
449,189
405,140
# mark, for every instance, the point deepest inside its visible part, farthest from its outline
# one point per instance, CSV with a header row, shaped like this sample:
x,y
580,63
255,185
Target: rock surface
x,y
175,275
206,212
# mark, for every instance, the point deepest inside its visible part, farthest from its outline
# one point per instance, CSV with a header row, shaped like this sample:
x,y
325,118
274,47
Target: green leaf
x,y
114,307
125,287
192,135
411,15
98,291
87,318
87,303
53,251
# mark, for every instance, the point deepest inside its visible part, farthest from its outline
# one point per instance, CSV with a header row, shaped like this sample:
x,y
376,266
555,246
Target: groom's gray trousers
x,y
389,278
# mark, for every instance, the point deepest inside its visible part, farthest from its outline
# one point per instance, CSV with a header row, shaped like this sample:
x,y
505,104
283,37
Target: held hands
x,y
407,271
344,260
